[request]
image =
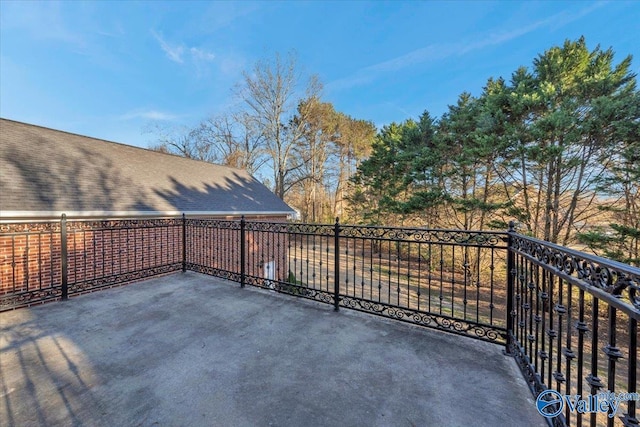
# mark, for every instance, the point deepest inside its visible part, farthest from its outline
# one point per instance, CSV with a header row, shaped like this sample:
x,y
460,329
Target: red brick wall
x,y
99,254
113,252
30,258
104,253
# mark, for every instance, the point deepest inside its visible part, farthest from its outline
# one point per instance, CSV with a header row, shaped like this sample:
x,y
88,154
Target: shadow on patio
x,y
189,349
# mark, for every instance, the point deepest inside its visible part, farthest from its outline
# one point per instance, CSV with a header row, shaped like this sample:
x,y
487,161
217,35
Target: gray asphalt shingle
x,y
46,170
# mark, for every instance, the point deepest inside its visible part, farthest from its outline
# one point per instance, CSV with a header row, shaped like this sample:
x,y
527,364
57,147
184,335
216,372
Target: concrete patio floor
x,y
192,350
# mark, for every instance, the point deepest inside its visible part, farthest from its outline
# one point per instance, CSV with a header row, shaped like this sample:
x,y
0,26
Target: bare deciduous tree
x,y
271,93
280,127
237,142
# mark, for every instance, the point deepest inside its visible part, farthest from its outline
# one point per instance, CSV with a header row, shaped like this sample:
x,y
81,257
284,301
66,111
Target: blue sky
x,y
109,69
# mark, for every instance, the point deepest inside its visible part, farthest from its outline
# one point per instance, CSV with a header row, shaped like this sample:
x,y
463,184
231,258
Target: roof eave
x,y
32,215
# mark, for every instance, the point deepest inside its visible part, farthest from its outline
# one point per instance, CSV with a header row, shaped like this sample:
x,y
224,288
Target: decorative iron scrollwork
x,y
271,227
122,224
417,235
30,297
30,227
212,271
123,278
311,229
223,224
458,326
619,280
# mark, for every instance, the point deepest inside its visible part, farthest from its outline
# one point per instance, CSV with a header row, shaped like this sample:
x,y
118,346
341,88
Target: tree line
x,y
556,148
282,130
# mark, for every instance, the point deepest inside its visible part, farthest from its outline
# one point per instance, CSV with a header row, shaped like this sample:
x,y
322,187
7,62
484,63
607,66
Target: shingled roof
x,y
46,172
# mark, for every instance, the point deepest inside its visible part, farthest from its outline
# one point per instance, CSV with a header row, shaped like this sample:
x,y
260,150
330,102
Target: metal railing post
x,y
511,273
630,416
336,264
63,257
184,243
243,250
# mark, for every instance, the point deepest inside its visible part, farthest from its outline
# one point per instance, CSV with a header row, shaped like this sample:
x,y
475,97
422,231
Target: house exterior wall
x,y
99,254
106,253
30,259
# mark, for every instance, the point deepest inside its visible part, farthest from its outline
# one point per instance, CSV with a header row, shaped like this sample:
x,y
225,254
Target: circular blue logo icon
x,y
550,403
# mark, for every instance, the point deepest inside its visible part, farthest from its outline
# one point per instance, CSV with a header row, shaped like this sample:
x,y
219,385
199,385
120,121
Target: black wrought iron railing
x,y
52,260
568,318
446,279
439,278
573,328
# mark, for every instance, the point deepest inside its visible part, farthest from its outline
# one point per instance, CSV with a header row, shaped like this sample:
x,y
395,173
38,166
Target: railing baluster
x,y
453,281
531,290
336,266
379,266
429,274
544,298
184,243
362,273
630,418
511,278
613,353
40,261
13,265
419,284
479,282
441,296
63,258
25,261
593,379
243,251
465,279
567,351
582,328
399,264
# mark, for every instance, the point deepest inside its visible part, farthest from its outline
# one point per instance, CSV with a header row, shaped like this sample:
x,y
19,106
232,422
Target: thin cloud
x,y
563,18
174,52
201,55
116,31
436,52
148,115
179,53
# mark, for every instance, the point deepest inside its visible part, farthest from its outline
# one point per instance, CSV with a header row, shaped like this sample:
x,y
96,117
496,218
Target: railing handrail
x,y
590,257
417,228
604,278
